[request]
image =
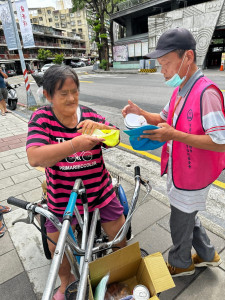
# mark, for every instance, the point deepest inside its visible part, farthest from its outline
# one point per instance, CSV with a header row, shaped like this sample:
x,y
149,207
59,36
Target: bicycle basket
x,y
71,291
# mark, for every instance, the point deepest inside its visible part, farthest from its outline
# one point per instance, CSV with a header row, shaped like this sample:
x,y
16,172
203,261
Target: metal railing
x,y
130,3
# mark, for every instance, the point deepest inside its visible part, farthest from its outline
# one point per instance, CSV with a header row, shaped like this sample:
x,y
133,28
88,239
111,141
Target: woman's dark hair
x,y
180,53
55,76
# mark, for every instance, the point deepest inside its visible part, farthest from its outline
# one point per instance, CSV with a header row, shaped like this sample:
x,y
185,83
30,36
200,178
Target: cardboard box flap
x,y
158,272
119,264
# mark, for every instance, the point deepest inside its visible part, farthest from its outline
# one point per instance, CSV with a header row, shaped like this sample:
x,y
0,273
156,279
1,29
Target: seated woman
x,y
55,142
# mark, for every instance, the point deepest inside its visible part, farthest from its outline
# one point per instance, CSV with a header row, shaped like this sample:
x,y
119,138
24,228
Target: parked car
x,y
77,64
10,72
45,67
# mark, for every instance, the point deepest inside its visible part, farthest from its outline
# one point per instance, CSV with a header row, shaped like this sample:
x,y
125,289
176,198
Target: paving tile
x,y
19,188
6,244
4,148
23,176
15,163
27,241
17,145
222,256
34,195
10,266
38,278
13,171
149,213
18,288
153,239
8,158
6,182
1,167
12,151
209,285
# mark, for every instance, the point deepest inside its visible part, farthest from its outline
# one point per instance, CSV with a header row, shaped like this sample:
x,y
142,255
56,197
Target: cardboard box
x,y
126,265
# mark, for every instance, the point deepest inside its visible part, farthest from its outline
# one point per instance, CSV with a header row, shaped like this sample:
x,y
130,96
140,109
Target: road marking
x,y
154,157
222,90
141,152
86,81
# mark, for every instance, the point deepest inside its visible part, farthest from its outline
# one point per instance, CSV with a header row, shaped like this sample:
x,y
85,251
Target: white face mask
x,y
176,80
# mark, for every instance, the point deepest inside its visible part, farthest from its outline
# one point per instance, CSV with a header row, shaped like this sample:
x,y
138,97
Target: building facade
x,y
142,22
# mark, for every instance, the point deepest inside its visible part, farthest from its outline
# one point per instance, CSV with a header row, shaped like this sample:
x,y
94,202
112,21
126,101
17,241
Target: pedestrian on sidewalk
x,y
193,126
3,210
60,140
3,92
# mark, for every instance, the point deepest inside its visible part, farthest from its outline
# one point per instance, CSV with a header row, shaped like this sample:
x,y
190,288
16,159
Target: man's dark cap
x,y
173,39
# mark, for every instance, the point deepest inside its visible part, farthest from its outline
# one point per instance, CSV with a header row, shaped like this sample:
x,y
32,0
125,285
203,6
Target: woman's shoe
x,y
58,296
2,230
4,209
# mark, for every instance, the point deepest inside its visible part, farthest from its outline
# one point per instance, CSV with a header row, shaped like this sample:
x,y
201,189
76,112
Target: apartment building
x,y
73,23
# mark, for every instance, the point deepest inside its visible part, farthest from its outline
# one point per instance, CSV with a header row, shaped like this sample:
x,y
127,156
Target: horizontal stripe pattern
x,y
44,129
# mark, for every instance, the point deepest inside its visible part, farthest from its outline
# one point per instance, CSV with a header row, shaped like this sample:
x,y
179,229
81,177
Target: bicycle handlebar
x,y
137,171
18,202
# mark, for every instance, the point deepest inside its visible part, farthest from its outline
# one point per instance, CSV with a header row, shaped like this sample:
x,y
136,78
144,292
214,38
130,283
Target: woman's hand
x,y
131,108
85,142
88,127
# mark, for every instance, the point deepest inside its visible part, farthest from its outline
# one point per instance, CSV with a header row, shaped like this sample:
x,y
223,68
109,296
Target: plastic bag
x,y
117,291
101,288
111,136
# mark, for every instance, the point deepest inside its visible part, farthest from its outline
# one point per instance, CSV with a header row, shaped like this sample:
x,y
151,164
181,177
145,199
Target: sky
x,y
41,3
45,3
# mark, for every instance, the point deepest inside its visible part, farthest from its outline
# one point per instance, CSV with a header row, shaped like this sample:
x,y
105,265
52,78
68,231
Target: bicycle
x,y
78,256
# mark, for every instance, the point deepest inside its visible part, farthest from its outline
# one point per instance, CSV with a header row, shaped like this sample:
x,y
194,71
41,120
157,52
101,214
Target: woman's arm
x,y
49,155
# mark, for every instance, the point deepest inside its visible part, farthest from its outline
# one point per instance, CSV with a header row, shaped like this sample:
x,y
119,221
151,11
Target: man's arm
x,y
166,133
151,118
3,74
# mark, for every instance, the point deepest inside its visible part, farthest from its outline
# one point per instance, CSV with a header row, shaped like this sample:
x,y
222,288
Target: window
x,y
40,19
79,22
79,30
48,12
50,20
63,25
63,16
72,23
72,15
56,17
78,13
57,25
39,11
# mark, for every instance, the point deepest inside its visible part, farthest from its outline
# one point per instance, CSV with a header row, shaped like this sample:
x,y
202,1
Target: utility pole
x,y
30,97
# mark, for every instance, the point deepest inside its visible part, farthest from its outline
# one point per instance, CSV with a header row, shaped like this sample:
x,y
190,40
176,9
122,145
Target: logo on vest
x,y
190,115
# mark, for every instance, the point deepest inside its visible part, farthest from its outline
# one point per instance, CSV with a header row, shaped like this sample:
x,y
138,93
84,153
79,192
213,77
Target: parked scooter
x,y
12,95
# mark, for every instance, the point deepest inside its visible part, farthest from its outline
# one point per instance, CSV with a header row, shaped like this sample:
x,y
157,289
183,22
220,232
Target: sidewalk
x,y
24,268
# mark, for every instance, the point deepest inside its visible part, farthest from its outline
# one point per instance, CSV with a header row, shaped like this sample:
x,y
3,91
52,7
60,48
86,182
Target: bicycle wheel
x,y
71,291
44,239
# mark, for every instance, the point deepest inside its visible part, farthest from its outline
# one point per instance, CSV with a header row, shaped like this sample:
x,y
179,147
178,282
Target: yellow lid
x,y
111,136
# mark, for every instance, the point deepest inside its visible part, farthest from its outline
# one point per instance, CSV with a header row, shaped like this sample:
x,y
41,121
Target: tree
x,y
58,58
102,9
44,54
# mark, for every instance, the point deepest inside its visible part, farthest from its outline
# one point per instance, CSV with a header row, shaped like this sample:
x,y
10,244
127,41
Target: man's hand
x,y
163,134
88,127
131,108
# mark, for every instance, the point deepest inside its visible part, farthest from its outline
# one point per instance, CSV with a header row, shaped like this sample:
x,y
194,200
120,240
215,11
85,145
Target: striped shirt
x,y
213,121
44,129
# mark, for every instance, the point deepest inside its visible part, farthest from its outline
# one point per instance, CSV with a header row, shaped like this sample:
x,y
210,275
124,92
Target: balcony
x,y
130,3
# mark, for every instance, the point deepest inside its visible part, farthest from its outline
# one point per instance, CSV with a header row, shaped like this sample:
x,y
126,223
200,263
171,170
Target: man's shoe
x,y
176,272
198,262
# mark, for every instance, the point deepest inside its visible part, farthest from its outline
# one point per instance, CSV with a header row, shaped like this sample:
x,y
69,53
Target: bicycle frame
x,y
67,242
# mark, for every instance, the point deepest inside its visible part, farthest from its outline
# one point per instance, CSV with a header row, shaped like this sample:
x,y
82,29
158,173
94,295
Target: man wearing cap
x,y
193,126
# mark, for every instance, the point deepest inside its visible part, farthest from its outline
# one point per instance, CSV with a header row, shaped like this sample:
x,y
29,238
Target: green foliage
x,y
58,58
44,54
103,64
103,35
99,45
97,28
